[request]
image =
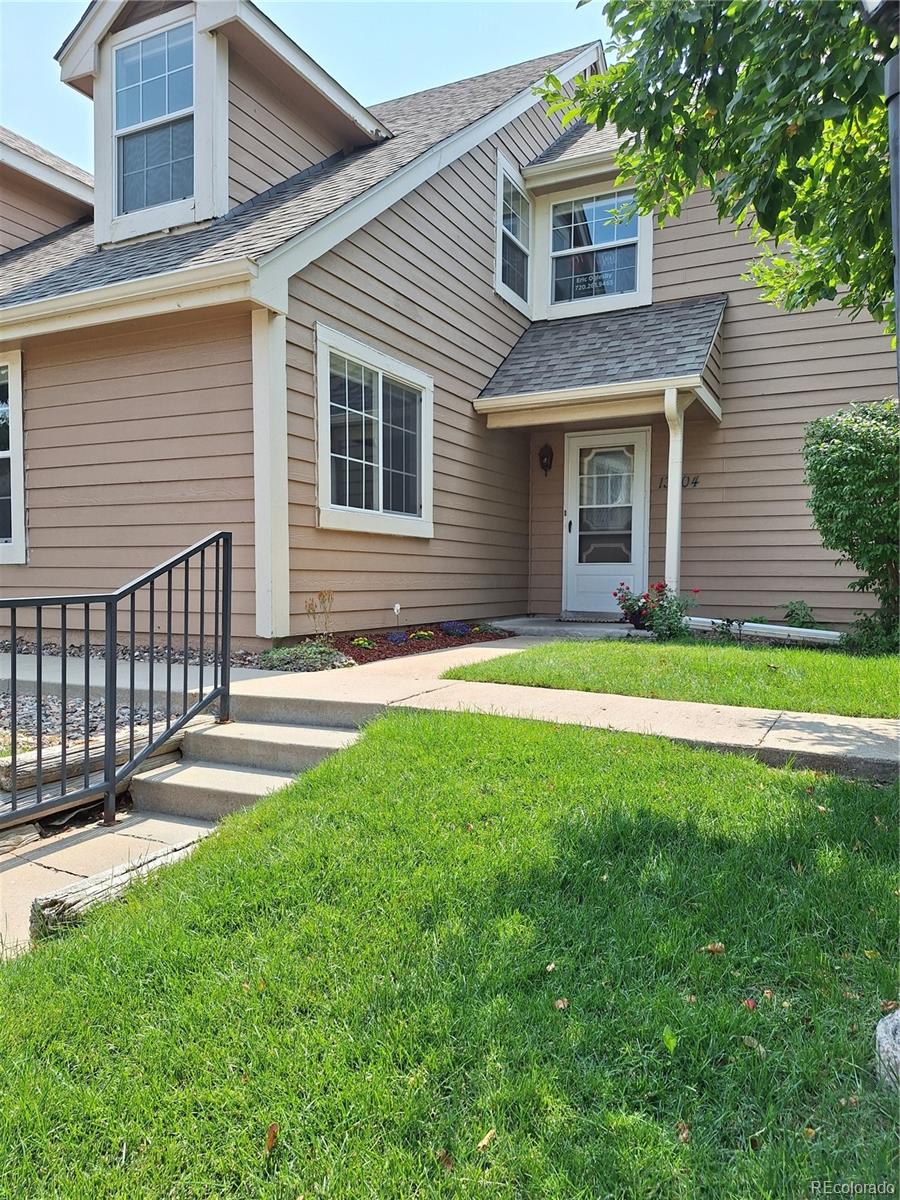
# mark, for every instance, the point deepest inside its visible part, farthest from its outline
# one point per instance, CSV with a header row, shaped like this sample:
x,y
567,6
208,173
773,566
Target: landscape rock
x,y
887,1049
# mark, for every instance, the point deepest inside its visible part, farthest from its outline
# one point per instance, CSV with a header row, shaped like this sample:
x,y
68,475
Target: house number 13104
x,y
687,481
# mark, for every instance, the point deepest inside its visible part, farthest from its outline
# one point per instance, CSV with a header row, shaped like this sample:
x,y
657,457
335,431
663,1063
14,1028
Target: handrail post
x,y
225,677
109,715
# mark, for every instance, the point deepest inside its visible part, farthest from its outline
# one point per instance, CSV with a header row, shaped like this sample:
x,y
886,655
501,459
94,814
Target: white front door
x,y
605,522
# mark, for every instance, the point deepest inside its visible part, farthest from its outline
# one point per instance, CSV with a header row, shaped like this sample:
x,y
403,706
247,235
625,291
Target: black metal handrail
x,y
212,625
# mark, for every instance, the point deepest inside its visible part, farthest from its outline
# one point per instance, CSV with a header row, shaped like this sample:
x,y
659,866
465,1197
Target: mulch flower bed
x,y
392,643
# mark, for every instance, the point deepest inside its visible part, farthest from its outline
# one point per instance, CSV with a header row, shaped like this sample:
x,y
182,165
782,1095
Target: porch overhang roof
x,y
608,365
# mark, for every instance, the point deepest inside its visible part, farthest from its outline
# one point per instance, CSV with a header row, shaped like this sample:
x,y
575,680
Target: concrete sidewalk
x,y
865,748
32,866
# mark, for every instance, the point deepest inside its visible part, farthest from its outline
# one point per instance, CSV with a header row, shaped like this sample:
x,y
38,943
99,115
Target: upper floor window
x,y
154,123
513,254
375,423
593,248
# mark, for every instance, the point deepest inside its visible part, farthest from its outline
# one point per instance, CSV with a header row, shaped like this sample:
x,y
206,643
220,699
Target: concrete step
x,y
266,746
203,789
271,706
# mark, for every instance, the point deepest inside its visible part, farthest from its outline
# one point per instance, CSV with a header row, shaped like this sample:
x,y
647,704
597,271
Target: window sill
x,y
373,522
598,304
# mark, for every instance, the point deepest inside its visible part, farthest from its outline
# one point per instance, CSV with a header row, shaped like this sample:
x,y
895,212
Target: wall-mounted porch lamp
x,y
545,457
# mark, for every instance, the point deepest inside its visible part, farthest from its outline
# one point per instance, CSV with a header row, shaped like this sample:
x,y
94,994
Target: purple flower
x,y
397,636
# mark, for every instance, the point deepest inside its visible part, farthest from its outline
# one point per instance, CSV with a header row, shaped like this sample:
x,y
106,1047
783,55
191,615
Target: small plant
x,y
318,609
456,628
729,629
396,636
305,656
660,609
799,615
869,635
421,635
364,643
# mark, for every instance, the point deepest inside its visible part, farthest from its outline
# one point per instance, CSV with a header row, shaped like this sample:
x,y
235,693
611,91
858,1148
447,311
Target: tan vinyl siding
x,y
138,442
268,141
748,540
417,283
29,209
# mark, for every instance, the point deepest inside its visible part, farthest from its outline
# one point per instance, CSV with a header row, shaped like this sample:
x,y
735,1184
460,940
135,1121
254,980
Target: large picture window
x,y
593,250
375,443
154,123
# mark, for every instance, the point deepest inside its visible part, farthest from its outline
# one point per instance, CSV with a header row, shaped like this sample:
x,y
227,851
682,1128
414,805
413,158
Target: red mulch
x,y
385,649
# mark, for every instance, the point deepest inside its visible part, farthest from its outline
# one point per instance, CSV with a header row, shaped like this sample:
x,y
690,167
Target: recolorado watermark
x,y
837,1187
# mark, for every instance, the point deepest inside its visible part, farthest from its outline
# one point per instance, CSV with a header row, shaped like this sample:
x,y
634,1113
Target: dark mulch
x,y
384,648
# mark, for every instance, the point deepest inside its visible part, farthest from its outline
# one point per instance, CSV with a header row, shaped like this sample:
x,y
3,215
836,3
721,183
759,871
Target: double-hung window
x,y
12,479
593,248
154,119
375,433
514,223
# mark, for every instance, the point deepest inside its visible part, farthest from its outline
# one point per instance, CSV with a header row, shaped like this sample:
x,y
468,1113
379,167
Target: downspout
x,y
674,411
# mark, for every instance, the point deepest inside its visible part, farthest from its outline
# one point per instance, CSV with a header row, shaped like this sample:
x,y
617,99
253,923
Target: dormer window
x,y
154,98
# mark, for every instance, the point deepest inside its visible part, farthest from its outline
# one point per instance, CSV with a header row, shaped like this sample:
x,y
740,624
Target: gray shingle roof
x,y
579,139
68,262
660,341
15,141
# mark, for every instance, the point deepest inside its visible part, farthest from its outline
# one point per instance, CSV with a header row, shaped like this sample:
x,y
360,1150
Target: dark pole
x,y
892,96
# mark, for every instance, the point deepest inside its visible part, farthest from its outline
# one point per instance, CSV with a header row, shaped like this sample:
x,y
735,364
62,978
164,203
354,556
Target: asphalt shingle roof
x,y
579,139
15,141
660,341
68,262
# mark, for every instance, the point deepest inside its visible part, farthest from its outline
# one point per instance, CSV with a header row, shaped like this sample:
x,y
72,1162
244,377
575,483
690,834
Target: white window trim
x,y
15,551
507,169
332,516
210,113
543,309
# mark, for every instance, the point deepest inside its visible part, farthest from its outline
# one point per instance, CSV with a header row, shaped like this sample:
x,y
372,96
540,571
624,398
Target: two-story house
x,y
403,352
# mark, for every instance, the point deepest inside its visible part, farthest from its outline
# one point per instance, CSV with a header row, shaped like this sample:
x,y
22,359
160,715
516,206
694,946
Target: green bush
x,y
306,656
799,615
851,469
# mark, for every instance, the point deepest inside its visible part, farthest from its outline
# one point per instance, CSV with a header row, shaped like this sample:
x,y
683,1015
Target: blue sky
x,y
376,50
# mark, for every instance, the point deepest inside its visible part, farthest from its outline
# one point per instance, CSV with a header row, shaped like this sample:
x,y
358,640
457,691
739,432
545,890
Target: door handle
x,y
570,527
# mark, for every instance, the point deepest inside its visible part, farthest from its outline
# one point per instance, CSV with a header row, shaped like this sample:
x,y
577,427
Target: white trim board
x,y
268,334
49,176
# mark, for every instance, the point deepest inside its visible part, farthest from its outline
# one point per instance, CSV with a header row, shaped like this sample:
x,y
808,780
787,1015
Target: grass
x,y
364,960
821,681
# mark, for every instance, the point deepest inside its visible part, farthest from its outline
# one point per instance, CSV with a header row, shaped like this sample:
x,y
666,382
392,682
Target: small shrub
x,y
397,636
306,656
729,630
421,635
851,469
799,615
659,609
456,628
870,634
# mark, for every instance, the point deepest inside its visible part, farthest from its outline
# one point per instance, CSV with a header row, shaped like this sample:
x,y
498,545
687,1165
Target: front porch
x,y
610,401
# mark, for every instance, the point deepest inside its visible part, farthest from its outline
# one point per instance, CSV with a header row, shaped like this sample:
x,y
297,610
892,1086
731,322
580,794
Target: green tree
x,y
777,107
851,469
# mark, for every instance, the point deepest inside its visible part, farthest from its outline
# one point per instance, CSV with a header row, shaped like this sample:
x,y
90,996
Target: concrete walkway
x,y
31,866
859,747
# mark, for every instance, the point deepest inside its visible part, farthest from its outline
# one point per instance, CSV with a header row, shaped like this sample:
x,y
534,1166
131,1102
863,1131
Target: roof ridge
x,y
562,55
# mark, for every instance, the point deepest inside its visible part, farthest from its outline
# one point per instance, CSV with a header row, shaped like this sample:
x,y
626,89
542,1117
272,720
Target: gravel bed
x,y
52,719
239,658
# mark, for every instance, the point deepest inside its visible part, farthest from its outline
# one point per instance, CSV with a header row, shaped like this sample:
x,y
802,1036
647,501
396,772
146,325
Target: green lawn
x,y
758,676
365,959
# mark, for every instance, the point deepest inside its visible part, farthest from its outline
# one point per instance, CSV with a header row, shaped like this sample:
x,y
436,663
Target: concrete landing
x,y
36,866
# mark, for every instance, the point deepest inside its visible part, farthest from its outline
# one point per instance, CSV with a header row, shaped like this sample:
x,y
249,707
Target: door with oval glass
x,y
606,517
